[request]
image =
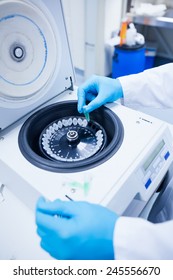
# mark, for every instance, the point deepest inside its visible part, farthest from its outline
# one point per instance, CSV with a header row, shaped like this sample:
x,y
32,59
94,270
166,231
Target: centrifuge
x,y
117,157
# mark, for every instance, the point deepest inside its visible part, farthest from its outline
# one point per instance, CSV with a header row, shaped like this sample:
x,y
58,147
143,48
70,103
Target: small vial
x,y
87,116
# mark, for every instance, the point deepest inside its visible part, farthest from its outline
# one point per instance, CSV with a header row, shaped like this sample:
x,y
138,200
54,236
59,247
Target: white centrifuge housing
x,y
116,159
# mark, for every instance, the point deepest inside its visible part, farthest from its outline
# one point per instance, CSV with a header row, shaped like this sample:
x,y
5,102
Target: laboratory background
x,y
48,50
100,24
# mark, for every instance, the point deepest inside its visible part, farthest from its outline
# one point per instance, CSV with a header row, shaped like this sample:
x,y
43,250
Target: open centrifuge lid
x,y
35,60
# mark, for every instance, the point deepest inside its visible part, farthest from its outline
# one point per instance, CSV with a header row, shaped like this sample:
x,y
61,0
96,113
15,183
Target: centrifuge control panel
x,y
153,164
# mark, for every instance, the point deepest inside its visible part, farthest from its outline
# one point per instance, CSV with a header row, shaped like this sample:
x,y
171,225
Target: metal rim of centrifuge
x,y
32,128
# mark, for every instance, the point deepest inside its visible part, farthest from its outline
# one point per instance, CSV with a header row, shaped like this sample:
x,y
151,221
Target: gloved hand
x,y
99,90
75,230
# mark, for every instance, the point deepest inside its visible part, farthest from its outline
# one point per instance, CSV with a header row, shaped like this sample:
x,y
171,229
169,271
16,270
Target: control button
x,y
167,155
156,163
148,175
153,176
164,152
161,164
148,183
157,169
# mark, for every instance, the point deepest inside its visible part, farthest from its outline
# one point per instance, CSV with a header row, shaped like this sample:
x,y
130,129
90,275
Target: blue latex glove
x,y
99,90
75,230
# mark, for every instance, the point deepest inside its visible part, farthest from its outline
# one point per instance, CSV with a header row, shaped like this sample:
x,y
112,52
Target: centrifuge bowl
x,y
29,137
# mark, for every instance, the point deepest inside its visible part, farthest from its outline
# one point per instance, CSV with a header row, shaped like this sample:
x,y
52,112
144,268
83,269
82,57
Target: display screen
x,y
153,155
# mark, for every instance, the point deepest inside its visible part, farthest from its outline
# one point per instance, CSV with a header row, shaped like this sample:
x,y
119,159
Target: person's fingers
x,y
58,207
89,88
41,233
52,252
46,206
49,224
81,99
45,222
45,246
94,104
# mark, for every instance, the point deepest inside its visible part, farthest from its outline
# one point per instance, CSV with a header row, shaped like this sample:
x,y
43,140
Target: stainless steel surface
x,y
165,21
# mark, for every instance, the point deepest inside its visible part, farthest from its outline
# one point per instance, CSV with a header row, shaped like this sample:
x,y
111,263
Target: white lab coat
x,y
136,238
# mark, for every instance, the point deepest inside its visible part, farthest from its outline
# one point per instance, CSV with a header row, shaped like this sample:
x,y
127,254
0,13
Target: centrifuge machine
x,y
117,158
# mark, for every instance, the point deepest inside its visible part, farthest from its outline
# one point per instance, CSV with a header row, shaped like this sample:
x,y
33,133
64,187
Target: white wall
x,y
113,13
74,12
89,25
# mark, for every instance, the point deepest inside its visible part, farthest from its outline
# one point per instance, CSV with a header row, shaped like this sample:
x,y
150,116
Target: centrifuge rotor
x,y
81,145
72,139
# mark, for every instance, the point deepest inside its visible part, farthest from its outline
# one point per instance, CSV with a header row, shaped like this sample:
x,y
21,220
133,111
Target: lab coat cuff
x,y
131,236
128,87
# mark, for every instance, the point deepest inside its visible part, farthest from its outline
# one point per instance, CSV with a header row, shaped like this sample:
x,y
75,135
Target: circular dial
x,y
72,139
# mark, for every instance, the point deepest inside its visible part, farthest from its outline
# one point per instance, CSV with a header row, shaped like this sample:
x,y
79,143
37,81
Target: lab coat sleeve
x,y
136,238
151,88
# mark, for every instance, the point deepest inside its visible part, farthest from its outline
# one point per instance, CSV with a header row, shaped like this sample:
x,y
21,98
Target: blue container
x,y
149,62
150,54
128,60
